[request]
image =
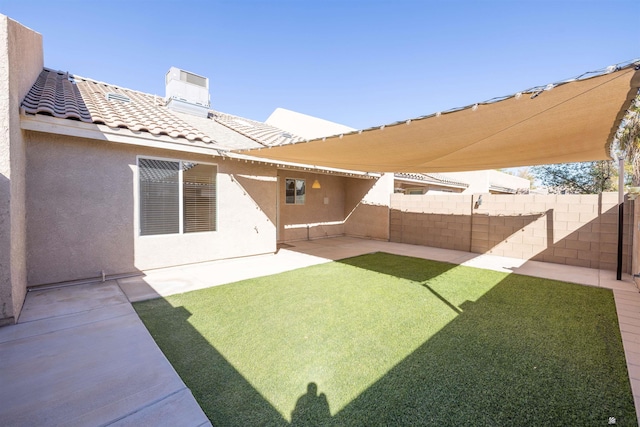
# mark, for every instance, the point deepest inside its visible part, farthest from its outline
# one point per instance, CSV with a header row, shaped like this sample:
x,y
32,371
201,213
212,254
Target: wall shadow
x,y
549,236
594,244
260,189
526,352
340,207
469,233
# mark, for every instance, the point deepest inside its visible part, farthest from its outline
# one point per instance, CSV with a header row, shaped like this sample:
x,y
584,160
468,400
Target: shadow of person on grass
x,y
311,409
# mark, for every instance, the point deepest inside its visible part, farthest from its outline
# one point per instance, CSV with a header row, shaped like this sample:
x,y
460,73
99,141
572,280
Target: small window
x,y
176,197
295,191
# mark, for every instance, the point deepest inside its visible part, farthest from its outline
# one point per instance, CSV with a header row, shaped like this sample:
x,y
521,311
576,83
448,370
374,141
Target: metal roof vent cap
x,y
187,92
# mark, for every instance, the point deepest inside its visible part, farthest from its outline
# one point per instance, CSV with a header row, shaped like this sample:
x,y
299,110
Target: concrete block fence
x,y
578,230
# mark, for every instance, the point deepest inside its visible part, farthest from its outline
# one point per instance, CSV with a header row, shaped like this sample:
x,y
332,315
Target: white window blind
x,y
199,197
161,182
159,197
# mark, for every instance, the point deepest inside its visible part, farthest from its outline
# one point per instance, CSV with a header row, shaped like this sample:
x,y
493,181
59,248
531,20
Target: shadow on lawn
x,y
525,353
404,267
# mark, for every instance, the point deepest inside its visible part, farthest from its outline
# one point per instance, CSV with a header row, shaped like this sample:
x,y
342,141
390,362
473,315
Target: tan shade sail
x,y
571,122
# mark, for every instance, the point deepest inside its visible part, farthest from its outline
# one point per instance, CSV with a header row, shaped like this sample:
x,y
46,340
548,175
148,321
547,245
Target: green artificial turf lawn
x,y
382,339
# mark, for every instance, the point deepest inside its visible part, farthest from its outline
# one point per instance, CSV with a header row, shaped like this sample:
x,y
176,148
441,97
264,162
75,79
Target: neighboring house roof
x,y
65,96
262,132
306,126
501,189
431,178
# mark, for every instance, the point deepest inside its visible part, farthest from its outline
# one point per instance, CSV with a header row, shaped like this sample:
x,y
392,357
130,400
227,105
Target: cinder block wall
x,y
440,221
576,230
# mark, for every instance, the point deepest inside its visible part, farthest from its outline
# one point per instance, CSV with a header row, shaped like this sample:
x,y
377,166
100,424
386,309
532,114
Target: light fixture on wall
x,y
478,202
316,184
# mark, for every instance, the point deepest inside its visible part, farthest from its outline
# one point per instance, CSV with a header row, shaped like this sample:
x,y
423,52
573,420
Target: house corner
x,y
21,60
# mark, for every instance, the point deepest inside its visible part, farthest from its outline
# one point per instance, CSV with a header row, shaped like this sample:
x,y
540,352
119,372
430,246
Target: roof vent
x,y
187,92
117,97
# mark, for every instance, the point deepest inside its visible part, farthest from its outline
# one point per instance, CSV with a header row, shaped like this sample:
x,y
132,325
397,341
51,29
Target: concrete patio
x,y
81,356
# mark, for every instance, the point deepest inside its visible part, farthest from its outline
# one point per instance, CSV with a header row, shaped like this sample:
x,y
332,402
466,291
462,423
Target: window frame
x,y
138,196
295,196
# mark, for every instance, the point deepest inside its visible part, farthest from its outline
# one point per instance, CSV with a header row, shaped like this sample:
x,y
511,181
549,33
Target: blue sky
x,y
356,62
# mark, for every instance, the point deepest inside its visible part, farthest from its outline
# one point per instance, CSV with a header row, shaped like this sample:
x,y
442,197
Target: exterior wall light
x,y
316,184
478,202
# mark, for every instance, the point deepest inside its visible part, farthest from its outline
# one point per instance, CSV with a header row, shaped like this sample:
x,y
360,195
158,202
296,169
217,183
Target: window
x,y
295,191
176,197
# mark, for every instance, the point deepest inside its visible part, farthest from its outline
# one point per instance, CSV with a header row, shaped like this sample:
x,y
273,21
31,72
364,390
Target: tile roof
x,y
65,96
258,131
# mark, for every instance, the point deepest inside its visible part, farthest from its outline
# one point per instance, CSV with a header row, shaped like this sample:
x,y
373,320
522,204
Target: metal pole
x,y
620,214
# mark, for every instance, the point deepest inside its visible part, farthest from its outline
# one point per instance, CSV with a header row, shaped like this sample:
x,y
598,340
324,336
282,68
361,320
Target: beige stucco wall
x,y
21,60
82,211
350,206
314,218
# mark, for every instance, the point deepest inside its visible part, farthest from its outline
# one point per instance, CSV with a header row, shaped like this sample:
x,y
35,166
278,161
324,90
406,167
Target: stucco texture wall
x,y
21,60
321,215
350,206
83,203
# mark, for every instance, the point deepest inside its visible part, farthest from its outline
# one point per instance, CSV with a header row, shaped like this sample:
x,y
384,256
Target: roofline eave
x,y
53,125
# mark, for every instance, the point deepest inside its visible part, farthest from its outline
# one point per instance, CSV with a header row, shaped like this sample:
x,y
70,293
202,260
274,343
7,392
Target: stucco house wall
x,y
82,211
21,60
321,215
343,205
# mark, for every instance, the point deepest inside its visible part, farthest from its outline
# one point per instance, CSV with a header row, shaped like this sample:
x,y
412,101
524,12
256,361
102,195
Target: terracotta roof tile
x,y
54,94
65,96
62,95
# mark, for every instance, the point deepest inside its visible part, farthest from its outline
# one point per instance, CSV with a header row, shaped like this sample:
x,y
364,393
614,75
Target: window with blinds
x,y
176,197
198,197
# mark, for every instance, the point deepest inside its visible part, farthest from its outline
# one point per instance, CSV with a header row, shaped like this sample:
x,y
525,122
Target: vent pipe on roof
x,y
187,92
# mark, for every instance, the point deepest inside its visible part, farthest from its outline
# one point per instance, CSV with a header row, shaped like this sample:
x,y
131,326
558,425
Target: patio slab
x,y
169,281
80,356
